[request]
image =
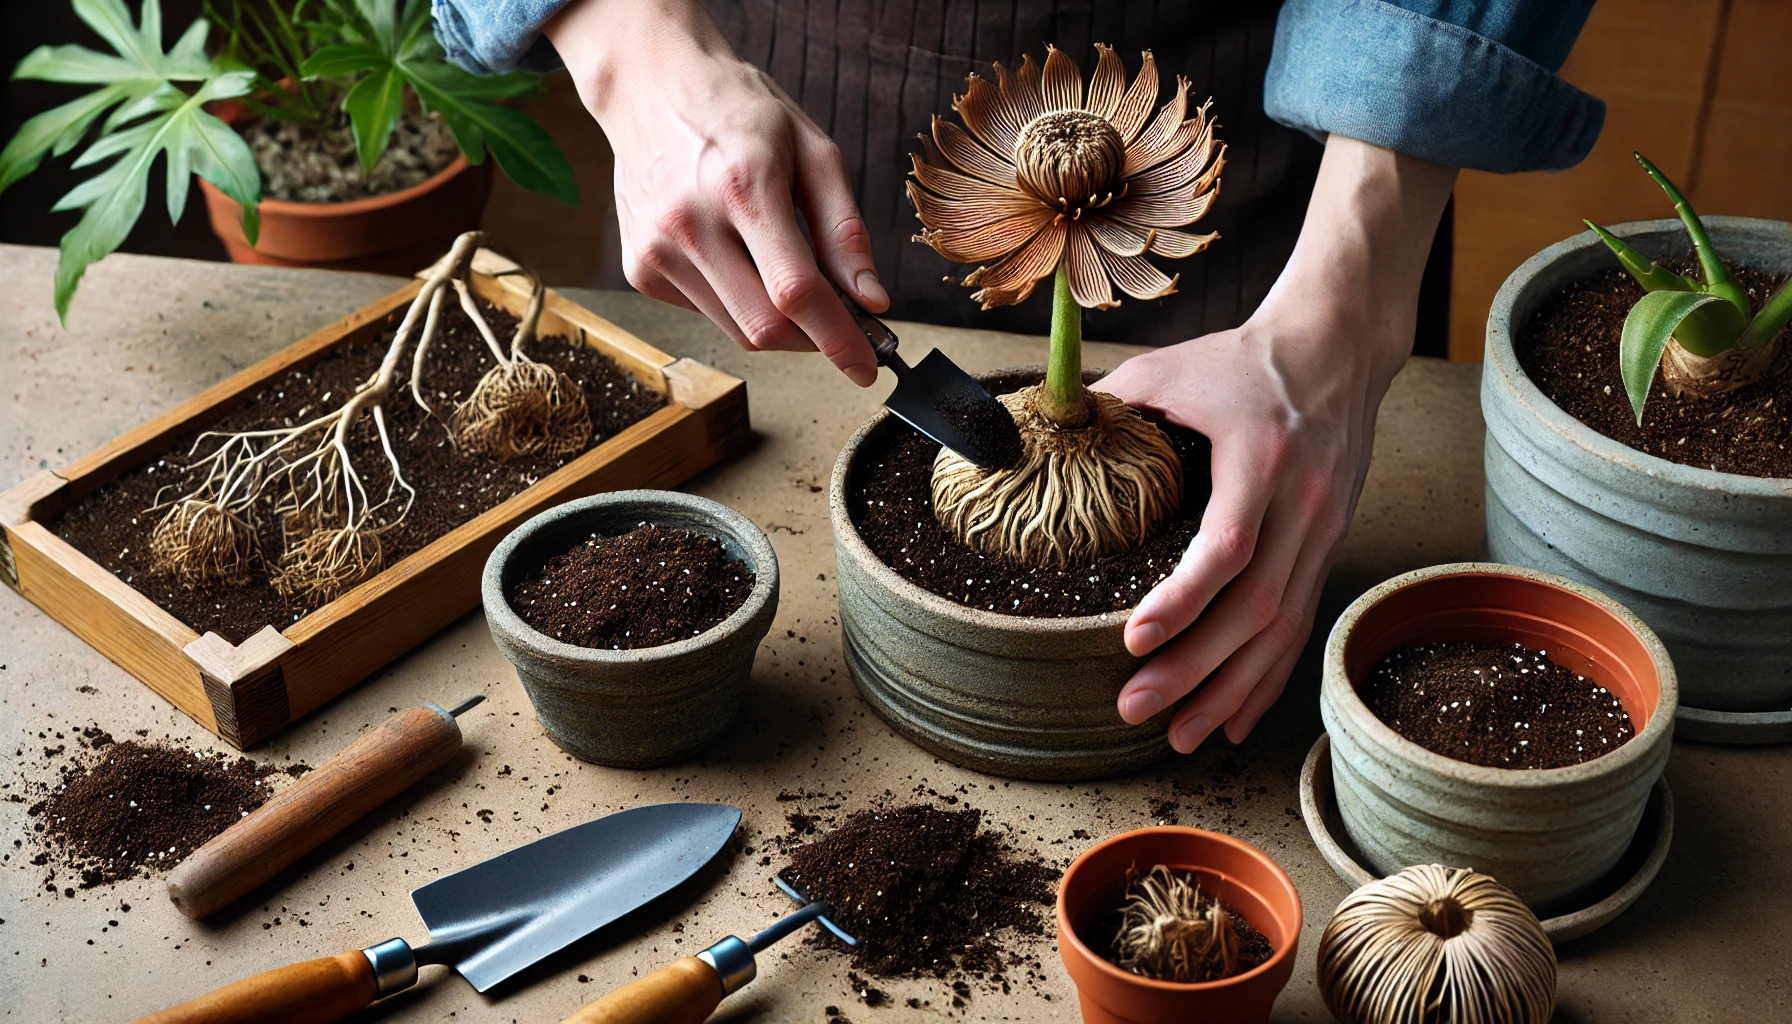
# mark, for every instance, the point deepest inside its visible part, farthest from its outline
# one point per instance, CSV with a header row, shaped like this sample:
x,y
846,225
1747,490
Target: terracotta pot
x,y
1547,834
1240,874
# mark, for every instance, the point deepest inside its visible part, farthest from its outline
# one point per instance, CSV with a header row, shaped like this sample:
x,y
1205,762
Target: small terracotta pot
x,y
1237,872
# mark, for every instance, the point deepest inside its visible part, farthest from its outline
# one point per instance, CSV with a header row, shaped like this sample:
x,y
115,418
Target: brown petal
x,y
964,153
1120,238
1178,244
979,243
949,184
987,114
1164,210
1083,264
1108,86
1137,277
1012,280
1174,175
1156,139
1021,90
1063,82
1136,105
938,213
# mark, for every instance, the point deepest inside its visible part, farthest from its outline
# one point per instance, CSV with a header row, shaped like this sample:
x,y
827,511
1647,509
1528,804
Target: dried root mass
x,y
523,408
1077,495
1171,932
199,541
321,564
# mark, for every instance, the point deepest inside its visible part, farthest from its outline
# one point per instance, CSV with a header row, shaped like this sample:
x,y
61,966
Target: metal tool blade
x,y
508,912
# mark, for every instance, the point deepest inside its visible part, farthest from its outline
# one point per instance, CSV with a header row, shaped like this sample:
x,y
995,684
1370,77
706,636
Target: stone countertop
x,y
1708,941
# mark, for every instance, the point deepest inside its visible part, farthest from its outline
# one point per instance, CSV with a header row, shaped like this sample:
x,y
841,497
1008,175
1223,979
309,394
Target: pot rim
x,y
300,210
1502,357
1067,933
765,573
1335,681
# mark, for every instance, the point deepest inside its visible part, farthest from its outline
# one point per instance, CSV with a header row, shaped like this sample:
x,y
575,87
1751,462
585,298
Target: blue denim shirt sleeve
x,y
1466,83
489,37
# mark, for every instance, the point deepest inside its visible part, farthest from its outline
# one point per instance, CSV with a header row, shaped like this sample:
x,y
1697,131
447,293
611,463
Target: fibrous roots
x,y
1169,932
1077,495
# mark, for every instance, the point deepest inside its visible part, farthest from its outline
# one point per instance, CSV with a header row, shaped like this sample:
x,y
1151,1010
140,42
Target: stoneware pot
x,y
645,707
1012,695
1547,834
1705,558
1240,874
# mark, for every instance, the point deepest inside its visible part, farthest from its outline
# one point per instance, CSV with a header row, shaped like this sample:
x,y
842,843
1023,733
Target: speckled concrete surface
x,y
1708,942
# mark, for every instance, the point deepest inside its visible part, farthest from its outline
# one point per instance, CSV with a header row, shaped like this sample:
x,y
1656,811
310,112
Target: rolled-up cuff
x,y
1369,70
490,37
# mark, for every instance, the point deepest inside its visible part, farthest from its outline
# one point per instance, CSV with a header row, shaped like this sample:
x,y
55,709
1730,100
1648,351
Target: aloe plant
x,y
1719,341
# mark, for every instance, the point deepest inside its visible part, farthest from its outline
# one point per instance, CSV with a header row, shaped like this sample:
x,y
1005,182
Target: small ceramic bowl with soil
x,y
1252,890
1498,718
632,619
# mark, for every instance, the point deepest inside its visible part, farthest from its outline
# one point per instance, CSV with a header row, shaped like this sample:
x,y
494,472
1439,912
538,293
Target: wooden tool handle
x,y
684,991
372,770
314,992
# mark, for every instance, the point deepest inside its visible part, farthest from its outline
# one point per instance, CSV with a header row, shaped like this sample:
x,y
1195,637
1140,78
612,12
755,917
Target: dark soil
x,y
645,588
989,425
129,809
1253,946
1497,705
112,527
890,499
925,891
1570,350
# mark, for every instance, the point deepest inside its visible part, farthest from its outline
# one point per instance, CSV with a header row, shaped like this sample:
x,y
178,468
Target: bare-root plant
x,y
1170,932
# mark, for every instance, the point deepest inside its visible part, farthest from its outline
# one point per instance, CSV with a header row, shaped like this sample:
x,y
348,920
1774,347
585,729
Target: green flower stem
x,y
1064,400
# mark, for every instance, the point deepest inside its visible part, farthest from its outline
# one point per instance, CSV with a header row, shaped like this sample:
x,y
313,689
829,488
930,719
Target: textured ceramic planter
x,y
1012,695
655,705
1705,558
1240,874
1547,834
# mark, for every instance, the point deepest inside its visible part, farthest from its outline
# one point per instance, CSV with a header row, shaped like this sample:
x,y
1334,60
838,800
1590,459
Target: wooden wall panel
x,y
1745,166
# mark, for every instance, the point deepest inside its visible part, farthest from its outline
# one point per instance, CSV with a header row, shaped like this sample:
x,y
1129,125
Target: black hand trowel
x,y
942,401
493,919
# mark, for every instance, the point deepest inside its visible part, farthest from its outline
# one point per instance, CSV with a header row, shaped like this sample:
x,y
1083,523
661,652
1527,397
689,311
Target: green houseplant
x,y
297,60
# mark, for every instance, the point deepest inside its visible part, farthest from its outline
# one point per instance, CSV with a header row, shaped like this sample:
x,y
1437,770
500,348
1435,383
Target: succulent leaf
x,y
1647,330
1651,275
1717,276
1775,314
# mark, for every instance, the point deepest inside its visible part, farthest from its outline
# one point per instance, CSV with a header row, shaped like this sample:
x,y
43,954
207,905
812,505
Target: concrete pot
x,y
1549,834
1011,695
646,707
1240,874
1705,558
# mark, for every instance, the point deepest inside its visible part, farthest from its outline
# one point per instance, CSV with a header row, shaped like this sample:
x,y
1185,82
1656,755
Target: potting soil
x,y
112,525
989,424
647,587
321,165
1496,705
1569,349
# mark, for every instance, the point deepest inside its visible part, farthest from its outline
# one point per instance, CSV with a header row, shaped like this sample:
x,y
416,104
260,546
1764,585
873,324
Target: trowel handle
x,y
373,769
314,992
684,991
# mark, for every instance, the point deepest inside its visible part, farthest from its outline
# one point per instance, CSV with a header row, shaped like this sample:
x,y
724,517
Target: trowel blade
x,y
508,912
936,397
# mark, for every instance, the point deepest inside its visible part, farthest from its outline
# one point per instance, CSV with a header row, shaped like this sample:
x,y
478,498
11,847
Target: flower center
x,y
1071,160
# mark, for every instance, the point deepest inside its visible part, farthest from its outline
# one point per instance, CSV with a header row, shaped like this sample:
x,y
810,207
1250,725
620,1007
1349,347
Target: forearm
x,y
610,45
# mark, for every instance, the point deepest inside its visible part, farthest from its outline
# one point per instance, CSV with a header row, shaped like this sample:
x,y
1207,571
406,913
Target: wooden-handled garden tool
x,y
687,990
370,771
493,919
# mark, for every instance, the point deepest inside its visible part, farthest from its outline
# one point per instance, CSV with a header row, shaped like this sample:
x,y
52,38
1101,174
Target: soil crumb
x,y
890,499
987,423
129,809
1496,705
926,891
1569,349
647,587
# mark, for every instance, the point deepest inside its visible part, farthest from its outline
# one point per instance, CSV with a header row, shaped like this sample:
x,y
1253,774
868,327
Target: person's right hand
x,y
713,161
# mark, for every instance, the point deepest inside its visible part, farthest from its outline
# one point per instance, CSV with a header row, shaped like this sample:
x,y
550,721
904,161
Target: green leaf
x,y
373,106
1775,314
524,149
113,23
344,59
1717,276
58,128
76,64
1651,275
381,17
221,156
1647,330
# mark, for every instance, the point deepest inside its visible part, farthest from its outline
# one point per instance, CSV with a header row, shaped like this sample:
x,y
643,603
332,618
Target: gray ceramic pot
x,y
1022,697
655,705
1550,835
1705,558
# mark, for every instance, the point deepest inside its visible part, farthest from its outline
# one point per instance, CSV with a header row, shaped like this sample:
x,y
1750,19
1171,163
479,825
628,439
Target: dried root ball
x,y
1076,495
200,541
322,564
1436,944
523,408
1170,932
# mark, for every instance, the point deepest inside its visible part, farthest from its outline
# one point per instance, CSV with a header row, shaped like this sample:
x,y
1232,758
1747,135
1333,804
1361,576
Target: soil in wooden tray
x,y
111,525
1496,705
1250,947
1569,349
927,892
890,499
647,587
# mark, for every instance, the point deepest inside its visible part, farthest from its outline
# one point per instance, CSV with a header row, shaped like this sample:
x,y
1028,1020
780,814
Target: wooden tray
x,y
247,692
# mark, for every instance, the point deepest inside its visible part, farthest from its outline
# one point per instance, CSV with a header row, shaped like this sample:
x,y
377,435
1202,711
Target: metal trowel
x,y
936,397
494,919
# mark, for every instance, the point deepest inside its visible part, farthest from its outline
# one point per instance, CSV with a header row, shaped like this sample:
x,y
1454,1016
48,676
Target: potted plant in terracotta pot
x,y
1498,718
1638,440
328,134
1174,924
983,608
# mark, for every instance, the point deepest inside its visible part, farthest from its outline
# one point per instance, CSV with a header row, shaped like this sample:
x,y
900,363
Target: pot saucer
x,y
1611,896
1737,728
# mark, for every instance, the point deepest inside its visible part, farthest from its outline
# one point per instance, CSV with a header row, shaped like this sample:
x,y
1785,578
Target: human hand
x,y
713,162
1288,401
